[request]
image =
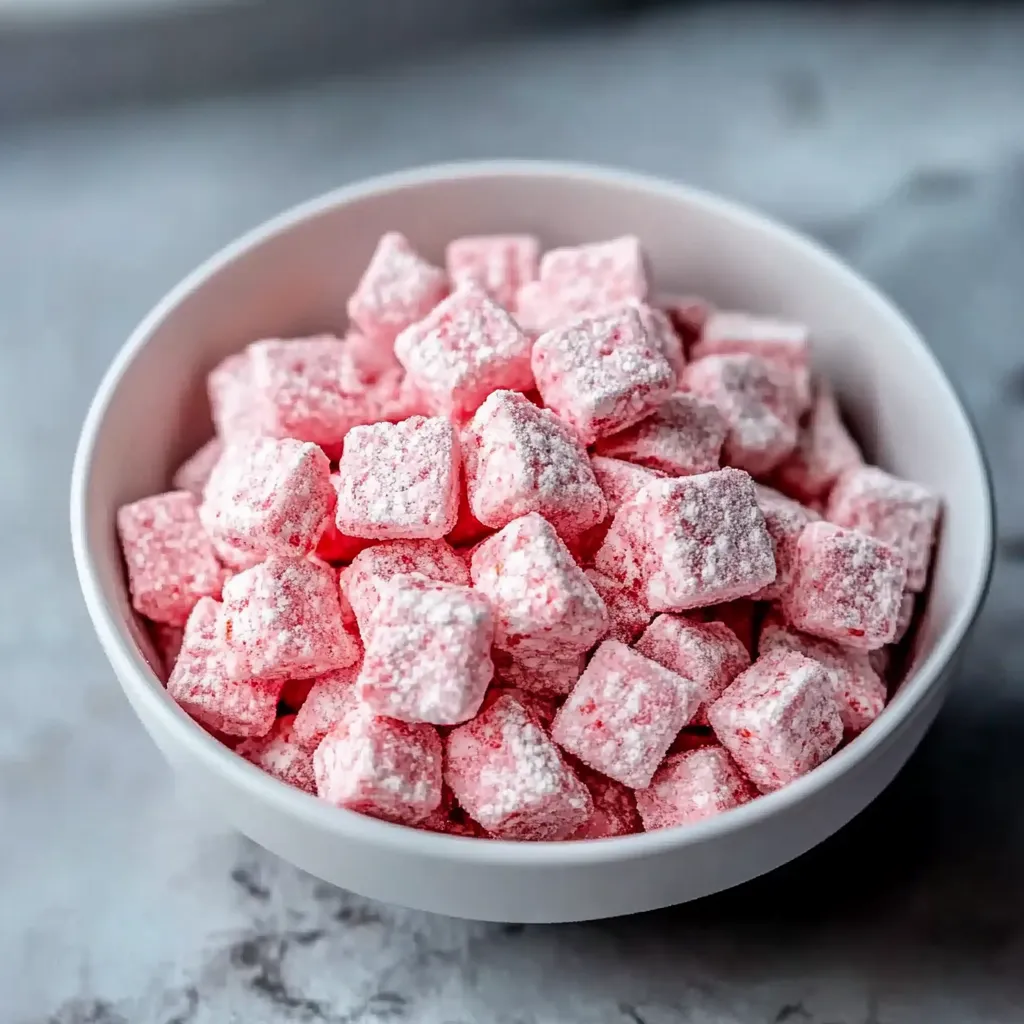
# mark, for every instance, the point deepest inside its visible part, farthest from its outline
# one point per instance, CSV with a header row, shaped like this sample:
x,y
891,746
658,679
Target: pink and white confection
x,y
235,405
727,333
620,480
193,473
614,807
624,713
627,614
279,755
779,719
500,264
330,698
510,778
663,334
785,520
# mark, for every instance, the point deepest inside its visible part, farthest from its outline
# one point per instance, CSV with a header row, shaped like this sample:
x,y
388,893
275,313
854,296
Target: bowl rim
x,y
136,676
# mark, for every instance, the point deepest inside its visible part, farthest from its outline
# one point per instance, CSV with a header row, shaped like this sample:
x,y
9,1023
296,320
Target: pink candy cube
x,y
543,604
193,473
779,719
380,767
614,807
283,617
396,289
465,349
170,560
785,520
234,403
627,614
268,496
726,333
621,481
846,587
602,374
659,327
510,778
399,480
899,513
522,459
500,264
428,655
279,755
624,713
682,437
693,785
330,698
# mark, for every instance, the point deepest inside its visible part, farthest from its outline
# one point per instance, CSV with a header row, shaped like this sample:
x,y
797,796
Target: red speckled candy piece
x,y
522,459
682,437
779,719
846,587
235,406
691,786
465,349
621,481
785,520
279,755
370,357
335,546
614,808
659,327
399,480
500,264
623,714
170,560
330,698
627,614
428,654
543,604
602,374
510,778
397,288
193,473
380,767
897,512
284,617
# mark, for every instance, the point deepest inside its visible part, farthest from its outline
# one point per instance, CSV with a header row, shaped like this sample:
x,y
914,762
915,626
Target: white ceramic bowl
x,y
291,277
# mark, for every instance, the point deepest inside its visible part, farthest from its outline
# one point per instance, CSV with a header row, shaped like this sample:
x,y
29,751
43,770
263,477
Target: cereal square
x,y
500,264
785,520
279,755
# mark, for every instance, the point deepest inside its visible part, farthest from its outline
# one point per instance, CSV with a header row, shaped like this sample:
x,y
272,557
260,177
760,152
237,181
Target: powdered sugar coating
x,y
897,512
428,655
846,587
681,437
730,333
660,330
370,358
193,473
335,546
785,520
235,405
691,786
521,459
397,288
602,374
330,698
623,714
543,603
465,349
380,767
779,719
614,807
279,755
510,778
620,481
500,264
550,674
170,560
627,614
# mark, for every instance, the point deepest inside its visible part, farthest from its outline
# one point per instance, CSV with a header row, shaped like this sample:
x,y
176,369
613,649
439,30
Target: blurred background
x,y
138,136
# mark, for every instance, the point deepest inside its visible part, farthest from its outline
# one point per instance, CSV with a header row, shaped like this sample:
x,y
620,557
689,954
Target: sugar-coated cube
x,y
623,714
428,655
693,785
602,374
727,333
758,402
211,683
681,437
363,580
170,560
500,264
279,755
335,546
193,473
621,480
331,697
284,617
465,349
543,603
663,334
627,614
510,778
371,358
785,520
897,512
846,587
779,719
397,288
521,459
380,767
399,480
550,674
268,496
614,807
235,405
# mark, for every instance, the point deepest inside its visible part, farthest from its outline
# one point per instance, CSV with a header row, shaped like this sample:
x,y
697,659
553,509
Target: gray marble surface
x,y
899,139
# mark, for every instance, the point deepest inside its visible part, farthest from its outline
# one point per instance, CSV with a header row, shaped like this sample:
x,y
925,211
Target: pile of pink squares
x,y
529,555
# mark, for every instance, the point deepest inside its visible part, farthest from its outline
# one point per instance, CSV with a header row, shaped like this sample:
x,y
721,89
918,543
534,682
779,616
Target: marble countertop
x,y
896,138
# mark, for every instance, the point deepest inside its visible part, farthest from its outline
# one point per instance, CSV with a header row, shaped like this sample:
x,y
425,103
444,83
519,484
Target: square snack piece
x,y
465,349
510,778
397,288
543,603
846,587
682,437
331,697
235,405
428,657
399,480
897,512
380,767
521,459
785,520
283,617
602,374
779,719
279,755
726,333
170,560
500,264
624,713
663,334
